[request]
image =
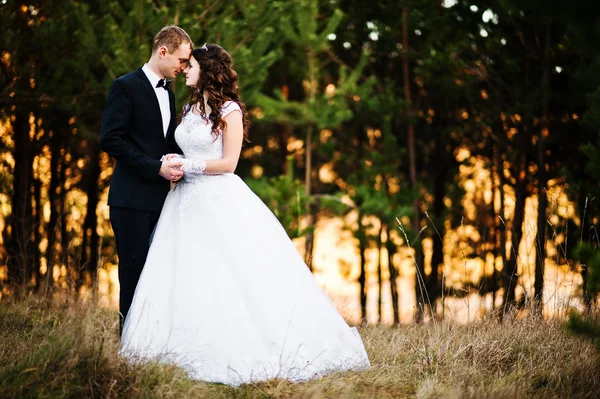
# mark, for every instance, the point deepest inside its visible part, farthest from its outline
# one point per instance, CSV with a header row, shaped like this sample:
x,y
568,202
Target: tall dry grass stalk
x,y
47,351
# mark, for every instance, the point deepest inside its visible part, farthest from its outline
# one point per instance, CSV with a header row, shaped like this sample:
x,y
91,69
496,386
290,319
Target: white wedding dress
x,y
224,292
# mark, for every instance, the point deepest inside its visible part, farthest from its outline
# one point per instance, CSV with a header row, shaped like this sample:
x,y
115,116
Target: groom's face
x,y
171,64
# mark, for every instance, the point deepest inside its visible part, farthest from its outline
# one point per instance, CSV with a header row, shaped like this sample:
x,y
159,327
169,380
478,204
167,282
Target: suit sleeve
x,y
115,122
173,148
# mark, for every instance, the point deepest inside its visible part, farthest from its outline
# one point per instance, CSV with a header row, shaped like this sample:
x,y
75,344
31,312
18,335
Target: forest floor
x,y
59,351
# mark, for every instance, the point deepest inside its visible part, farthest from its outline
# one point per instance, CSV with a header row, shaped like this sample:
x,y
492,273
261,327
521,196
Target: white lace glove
x,y
192,167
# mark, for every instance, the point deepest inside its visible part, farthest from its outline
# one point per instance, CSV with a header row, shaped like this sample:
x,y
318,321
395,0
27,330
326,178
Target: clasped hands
x,y
171,167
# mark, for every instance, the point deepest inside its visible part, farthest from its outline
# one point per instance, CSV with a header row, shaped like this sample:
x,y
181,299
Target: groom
x,y
138,127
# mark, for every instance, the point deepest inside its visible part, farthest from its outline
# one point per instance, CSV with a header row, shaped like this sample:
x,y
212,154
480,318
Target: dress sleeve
x,y
229,107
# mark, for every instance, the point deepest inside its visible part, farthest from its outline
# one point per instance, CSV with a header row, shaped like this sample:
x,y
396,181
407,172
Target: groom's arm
x,y
115,121
172,146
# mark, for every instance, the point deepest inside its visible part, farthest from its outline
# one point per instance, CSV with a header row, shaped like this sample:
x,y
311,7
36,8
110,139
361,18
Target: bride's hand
x,y
169,157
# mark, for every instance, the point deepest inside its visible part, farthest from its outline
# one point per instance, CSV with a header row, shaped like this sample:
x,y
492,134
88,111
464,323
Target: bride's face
x,y
192,73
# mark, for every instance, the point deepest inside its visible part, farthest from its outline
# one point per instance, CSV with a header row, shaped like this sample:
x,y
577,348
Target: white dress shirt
x,y
163,97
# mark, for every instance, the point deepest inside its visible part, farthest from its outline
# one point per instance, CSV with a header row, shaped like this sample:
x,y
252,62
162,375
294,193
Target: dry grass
x,y
60,352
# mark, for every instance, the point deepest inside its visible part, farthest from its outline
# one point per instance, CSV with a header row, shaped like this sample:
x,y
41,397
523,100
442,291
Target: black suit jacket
x,y
132,133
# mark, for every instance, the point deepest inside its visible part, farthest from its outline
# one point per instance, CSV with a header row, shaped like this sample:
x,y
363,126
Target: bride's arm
x,y
233,135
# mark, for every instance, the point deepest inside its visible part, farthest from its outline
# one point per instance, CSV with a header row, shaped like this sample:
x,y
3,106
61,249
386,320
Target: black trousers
x,y
132,229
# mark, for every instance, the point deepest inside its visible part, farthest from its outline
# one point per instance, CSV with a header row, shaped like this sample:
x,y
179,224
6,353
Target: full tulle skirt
x,y
225,294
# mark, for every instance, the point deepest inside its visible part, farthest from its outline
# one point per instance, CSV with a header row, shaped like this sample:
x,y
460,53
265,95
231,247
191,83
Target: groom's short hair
x,y
171,36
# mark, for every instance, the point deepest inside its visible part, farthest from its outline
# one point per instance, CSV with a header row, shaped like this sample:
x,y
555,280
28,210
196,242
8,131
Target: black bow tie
x,y
165,84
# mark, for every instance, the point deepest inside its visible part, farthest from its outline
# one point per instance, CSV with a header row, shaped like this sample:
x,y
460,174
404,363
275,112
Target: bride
x,y
224,292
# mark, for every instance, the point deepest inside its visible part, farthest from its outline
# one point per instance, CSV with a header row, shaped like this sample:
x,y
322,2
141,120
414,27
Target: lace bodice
x,y
194,136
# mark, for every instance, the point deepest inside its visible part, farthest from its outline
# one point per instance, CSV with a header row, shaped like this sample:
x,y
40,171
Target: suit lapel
x,y
153,99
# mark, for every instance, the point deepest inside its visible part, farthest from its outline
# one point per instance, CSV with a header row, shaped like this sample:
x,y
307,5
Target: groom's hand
x,y
169,170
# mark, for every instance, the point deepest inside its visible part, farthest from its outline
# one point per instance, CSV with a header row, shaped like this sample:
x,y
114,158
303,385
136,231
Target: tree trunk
x,y
286,132
19,259
501,222
496,222
540,247
379,270
391,250
307,183
510,277
64,234
362,278
83,257
56,167
37,226
390,246
585,201
540,239
90,225
416,221
437,257
309,243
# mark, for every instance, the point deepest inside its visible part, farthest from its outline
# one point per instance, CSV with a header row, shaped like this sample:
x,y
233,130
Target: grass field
x,y
71,352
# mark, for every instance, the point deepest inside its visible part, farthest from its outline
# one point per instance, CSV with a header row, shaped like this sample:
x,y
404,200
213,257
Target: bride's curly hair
x,y
220,82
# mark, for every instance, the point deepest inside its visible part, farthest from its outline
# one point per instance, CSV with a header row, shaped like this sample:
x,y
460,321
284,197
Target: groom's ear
x,y
162,51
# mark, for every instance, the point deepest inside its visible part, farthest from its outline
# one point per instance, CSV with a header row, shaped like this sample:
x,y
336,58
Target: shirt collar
x,y
152,77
